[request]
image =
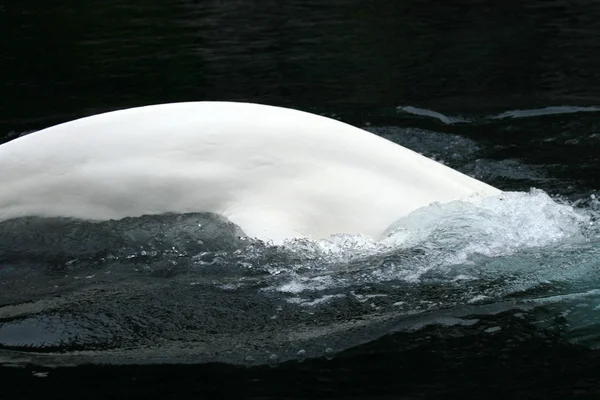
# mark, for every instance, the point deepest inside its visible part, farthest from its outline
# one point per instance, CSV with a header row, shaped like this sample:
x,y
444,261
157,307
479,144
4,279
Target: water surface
x,y
504,293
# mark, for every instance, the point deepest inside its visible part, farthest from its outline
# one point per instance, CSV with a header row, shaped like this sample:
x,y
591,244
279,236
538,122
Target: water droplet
x,y
329,353
249,360
301,355
273,360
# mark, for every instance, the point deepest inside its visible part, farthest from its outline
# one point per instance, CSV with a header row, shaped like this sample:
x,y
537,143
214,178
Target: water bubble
x,y
273,360
301,355
249,360
329,353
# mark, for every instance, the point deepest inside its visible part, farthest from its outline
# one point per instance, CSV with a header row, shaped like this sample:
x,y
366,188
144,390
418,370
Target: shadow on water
x,y
506,364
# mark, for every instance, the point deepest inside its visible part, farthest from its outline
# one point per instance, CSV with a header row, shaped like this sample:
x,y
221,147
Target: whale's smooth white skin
x,y
278,173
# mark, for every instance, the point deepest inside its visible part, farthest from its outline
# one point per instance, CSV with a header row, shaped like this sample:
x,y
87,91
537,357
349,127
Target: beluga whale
x,y
277,173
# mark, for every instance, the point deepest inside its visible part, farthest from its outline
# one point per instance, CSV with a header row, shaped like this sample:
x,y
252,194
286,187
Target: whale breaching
x,y
277,173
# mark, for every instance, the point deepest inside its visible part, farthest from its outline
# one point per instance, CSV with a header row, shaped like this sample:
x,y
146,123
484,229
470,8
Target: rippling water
x,y
459,299
190,289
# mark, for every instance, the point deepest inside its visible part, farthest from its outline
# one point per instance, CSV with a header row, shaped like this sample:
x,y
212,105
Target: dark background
x,y
357,60
70,58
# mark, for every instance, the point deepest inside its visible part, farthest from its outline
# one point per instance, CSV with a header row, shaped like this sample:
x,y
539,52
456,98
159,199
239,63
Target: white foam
x,y
493,226
300,284
446,234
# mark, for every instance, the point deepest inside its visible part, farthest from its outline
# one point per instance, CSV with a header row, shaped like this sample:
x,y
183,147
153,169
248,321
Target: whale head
x,y
275,172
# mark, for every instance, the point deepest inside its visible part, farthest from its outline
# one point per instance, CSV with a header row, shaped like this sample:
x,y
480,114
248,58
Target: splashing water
x,y
187,288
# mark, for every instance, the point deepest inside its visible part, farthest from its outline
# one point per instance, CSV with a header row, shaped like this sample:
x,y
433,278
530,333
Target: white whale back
x,y
277,173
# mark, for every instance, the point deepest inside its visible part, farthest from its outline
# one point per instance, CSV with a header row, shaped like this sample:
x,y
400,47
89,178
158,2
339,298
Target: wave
x,y
511,114
190,288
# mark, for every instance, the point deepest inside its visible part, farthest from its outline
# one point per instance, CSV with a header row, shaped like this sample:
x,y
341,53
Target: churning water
x,y
191,289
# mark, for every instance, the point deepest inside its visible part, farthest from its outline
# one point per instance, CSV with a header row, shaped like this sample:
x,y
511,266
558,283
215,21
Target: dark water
x,y
471,83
